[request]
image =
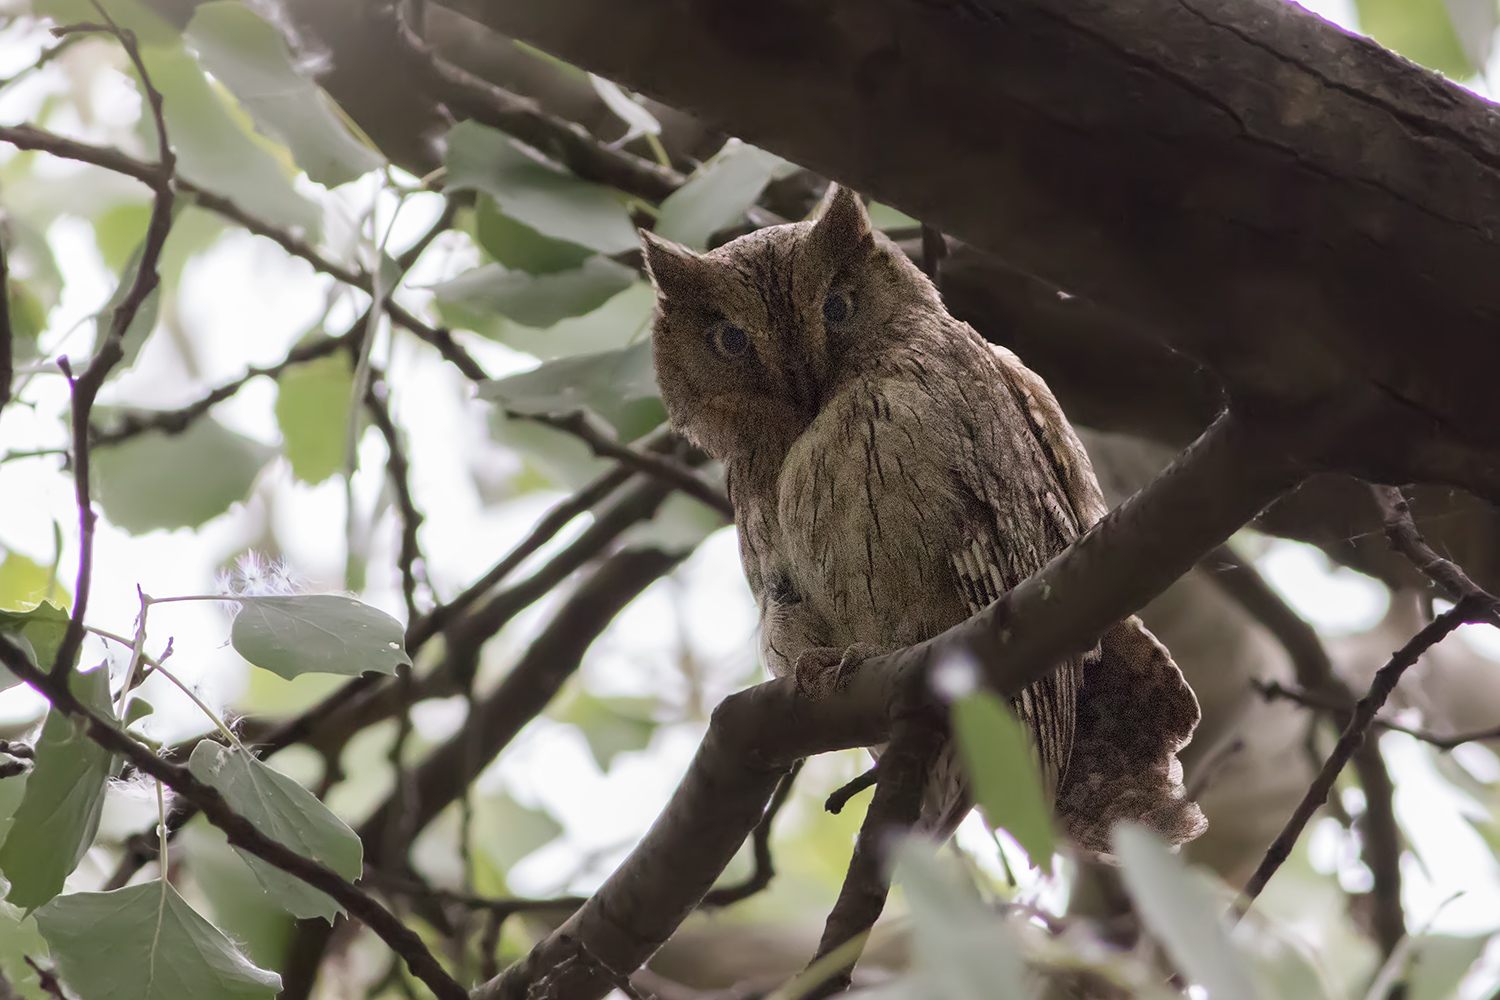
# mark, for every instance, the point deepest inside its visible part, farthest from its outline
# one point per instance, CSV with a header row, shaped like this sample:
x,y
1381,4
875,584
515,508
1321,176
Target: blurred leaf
x,y
531,190
610,725
28,318
286,812
157,480
312,408
609,384
506,831
962,951
638,121
1181,913
215,151
118,231
1474,22
618,323
885,217
250,57
38,631
56,821
237,902
1420,30
680,523
24,585
317,633
144,942
19,939
538,300
1001,765
1440,963
521,248
556,457
717,194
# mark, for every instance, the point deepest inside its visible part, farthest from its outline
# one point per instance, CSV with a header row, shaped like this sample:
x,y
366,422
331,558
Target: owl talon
x,y
822,670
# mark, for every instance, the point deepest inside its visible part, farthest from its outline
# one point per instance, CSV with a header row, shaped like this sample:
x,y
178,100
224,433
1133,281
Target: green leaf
x,y
215,148
144,942
538,300
1420,30
317,633
638,121
237,903
611,384
144,320
28,318
24,584
38,631
1439,964
506,831
312,407
19,939
962,951
717,194
250,57
157,480
1001,764
521,248
679,525
531,190
59,814
283,810
148,26
1182,913
610,725
1474,22
885,217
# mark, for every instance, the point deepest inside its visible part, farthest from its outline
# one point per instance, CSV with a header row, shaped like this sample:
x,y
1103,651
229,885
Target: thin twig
x,y
7,348
1275,690
1360,720
916,740
110,352
1395,512
836,802
241,832
398,471
672,473
760,843
46,979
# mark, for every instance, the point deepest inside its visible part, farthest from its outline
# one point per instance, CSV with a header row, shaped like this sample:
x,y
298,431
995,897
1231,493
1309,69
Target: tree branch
x,y
1354,733
241,832
1406,539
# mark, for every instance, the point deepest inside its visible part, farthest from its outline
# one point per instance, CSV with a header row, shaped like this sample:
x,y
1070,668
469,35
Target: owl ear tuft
x,y
676,271
842,231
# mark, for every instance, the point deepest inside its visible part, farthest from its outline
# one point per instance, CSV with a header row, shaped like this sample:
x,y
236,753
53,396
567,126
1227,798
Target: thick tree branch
x,y
1278,199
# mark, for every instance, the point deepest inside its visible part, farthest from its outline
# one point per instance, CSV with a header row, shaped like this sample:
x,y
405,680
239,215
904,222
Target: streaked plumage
x,y
892,473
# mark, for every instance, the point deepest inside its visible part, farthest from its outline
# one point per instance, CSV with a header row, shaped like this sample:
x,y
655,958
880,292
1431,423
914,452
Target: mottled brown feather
x,y
892,474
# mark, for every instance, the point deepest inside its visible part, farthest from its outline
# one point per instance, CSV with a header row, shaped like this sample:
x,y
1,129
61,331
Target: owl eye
x,y
729,340
838,307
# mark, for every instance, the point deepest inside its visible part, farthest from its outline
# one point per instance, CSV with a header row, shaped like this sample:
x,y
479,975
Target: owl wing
x,y
1132,709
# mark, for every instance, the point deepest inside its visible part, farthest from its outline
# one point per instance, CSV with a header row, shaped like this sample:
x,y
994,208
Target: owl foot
x,y
822,670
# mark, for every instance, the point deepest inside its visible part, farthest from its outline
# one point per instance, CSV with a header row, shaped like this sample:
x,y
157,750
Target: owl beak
x,y
805,391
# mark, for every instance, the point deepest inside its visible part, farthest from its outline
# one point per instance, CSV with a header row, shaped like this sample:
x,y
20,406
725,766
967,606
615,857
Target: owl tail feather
x,y
1135,712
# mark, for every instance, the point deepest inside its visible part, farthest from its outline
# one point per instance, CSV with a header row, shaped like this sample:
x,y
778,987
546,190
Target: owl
x,y
891,474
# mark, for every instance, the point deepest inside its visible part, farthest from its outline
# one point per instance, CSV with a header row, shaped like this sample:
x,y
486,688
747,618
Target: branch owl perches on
x,y
892,474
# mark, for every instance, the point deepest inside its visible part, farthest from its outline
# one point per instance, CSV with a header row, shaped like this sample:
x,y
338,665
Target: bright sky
x,y
245,303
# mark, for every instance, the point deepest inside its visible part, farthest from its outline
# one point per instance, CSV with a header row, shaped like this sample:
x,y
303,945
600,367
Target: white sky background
x,y
244,302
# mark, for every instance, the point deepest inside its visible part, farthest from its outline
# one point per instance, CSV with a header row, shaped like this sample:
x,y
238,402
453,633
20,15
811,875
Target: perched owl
x,y
892,474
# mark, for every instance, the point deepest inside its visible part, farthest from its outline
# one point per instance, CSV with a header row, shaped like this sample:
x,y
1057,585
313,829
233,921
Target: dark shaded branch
x,y
760,844
241,832
398,470
1354,733
7,335
841,796
470,96
916,740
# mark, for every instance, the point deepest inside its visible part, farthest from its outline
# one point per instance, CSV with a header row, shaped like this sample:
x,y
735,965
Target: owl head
x,y
750,340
